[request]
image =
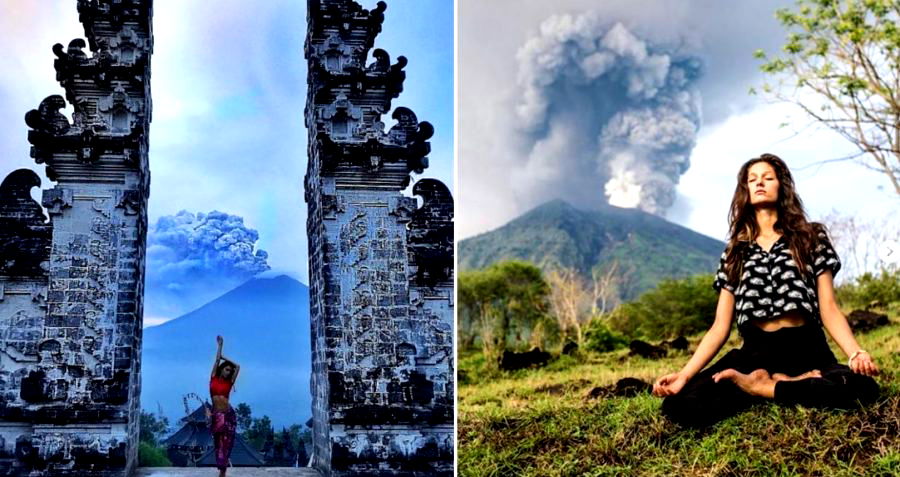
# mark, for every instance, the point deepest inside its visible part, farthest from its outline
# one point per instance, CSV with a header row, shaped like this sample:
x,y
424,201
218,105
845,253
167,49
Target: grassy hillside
x,y
558,234
540,423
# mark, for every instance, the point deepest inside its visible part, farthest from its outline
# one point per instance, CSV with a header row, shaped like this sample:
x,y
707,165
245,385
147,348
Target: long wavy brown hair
x,y
799,233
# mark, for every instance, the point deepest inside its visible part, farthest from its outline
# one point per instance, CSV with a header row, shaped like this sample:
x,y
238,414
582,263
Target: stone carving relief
x,y
394,73
341,120
47,119
130,200
402,208
120,112
24,235
127,47
337,57
332,205
430,233
55,200
19,335
384,373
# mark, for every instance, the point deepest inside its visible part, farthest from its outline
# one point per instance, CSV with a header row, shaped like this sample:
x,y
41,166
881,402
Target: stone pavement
x,y
232,472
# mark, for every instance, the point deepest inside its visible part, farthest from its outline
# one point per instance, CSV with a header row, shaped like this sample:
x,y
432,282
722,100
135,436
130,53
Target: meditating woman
x,y
776,274
223,420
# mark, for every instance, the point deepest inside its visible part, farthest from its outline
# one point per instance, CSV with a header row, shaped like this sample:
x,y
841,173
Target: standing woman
x,y
776,274
223,418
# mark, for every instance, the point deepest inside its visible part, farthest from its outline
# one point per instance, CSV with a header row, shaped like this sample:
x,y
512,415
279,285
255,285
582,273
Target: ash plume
x,y
604,115
191,259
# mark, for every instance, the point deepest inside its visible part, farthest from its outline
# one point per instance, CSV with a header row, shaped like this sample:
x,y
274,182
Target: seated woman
x,y
223,420
776,274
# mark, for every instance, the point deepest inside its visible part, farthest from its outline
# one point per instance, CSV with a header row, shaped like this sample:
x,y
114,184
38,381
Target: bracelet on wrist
x,y
854,355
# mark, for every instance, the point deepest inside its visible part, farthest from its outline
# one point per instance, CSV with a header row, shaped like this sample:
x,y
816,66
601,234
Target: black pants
x,y
789,350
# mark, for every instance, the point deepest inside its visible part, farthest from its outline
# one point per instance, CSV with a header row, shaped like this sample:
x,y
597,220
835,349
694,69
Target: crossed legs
x,y
704,401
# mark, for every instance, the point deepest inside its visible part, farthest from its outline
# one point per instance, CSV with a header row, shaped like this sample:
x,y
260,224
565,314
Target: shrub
x,y
599,337
867,288
673,308
151,456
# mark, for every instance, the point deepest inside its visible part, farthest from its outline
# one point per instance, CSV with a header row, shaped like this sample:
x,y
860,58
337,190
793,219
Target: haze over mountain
x,y
558,234
265,324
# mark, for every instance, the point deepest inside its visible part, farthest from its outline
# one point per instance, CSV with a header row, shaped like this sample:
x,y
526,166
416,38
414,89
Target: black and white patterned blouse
x,y
771,283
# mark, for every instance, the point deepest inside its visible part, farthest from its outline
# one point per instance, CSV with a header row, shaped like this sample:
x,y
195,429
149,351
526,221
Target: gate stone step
x,y
232,472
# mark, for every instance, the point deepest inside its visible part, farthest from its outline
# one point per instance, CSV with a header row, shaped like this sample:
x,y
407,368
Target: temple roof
x,y
196,433
242,455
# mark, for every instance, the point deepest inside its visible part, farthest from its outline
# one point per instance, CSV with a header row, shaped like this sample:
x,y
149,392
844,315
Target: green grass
x,y
540,423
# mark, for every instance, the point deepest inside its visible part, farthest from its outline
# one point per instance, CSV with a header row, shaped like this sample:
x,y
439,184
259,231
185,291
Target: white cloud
x,y
706,189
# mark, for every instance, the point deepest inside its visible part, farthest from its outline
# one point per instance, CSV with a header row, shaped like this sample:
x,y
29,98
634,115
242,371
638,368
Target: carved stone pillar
x,y
381,268
71,310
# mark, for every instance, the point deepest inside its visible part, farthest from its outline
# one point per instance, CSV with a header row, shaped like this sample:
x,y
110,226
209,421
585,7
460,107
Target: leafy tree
x,y
278,451
153,428
478,292
284,447
673,308
302,455
504,300
244,419
150,453
523,297
304,441
259,432
268,448
846,53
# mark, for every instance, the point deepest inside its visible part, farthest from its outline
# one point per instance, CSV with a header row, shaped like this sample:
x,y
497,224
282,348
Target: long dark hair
x,y
799,233
222,366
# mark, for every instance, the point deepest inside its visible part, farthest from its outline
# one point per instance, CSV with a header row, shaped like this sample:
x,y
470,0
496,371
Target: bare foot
x,y
757,383
809,374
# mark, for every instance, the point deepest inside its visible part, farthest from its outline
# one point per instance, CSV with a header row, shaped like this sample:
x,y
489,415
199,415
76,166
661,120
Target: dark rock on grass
x,y
680,343
647,350
511,361
625,387
866,320
570,347
462,376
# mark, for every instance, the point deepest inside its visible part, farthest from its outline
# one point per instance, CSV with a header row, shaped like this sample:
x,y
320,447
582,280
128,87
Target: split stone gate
x,y
71,284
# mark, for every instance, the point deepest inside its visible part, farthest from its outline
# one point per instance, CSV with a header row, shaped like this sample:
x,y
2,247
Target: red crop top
x,y
219,387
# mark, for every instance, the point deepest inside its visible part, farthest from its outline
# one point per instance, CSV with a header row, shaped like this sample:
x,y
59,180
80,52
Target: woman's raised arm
x,y
220,342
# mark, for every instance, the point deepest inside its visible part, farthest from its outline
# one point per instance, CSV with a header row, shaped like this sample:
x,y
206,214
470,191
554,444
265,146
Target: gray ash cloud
x,y
603,114
192,258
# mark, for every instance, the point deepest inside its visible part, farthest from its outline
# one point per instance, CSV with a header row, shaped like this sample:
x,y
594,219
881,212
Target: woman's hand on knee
x,y
669,384
863,364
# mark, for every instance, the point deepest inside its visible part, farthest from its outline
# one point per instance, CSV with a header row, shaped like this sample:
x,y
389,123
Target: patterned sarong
x,y
223,426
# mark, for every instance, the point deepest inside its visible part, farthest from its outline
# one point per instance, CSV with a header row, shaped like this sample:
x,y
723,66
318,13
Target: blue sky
x,y
229,87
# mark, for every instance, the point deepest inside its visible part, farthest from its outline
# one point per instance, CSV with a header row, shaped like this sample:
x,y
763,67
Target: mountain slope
x,y
265,324
558,234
